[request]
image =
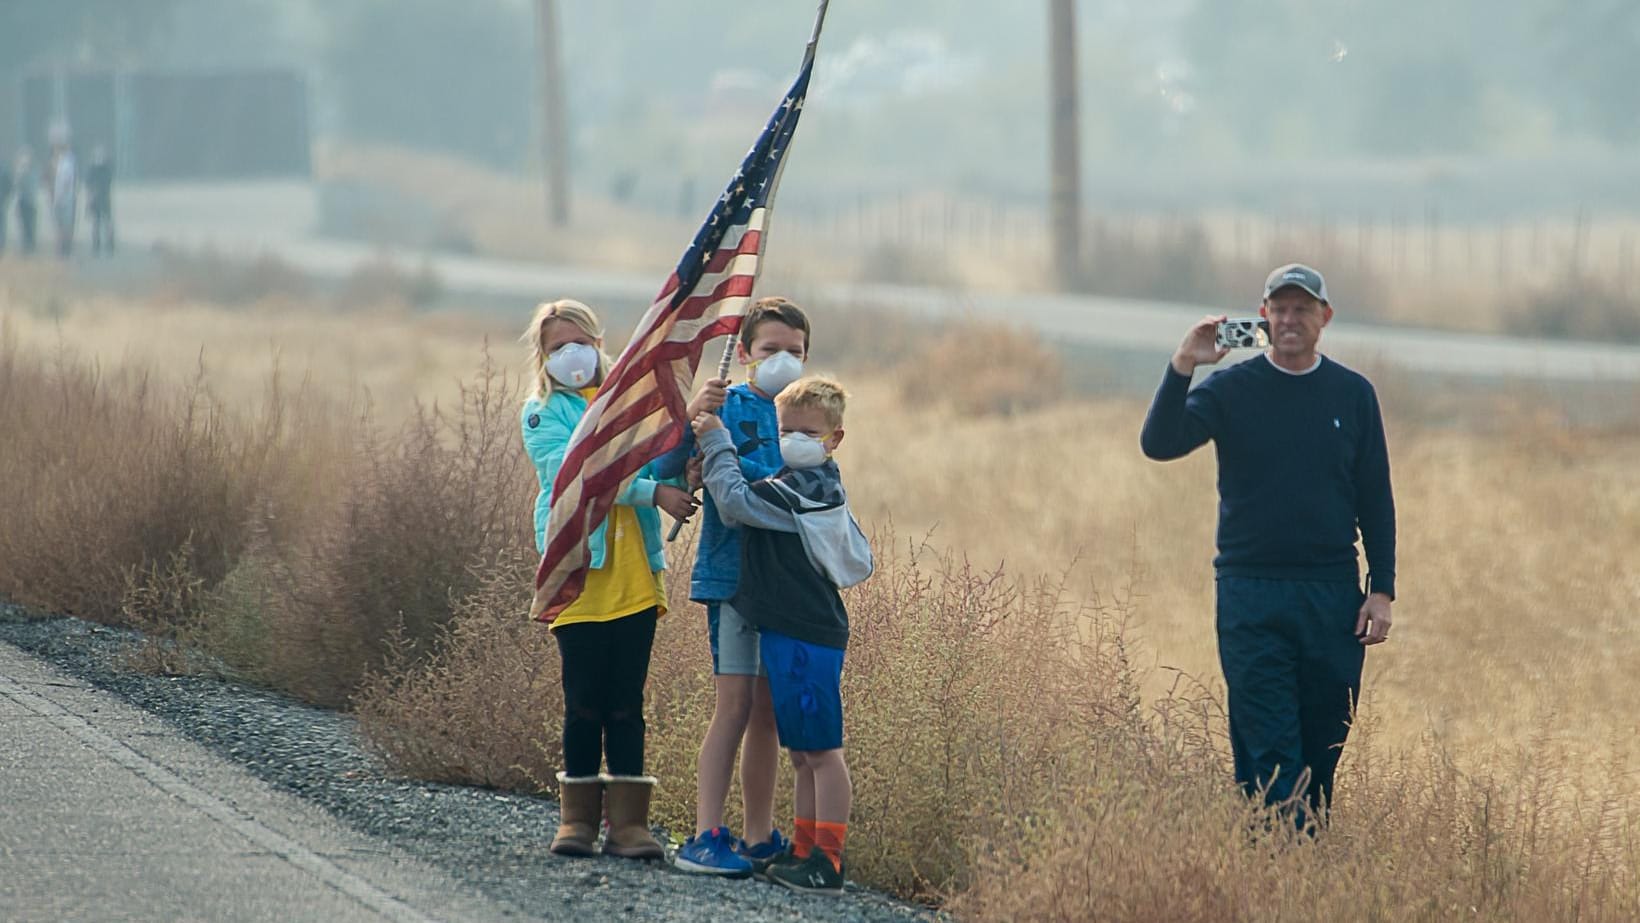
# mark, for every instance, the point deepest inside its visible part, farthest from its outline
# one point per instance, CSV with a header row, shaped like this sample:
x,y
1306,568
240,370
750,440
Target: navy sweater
x,y
1302,466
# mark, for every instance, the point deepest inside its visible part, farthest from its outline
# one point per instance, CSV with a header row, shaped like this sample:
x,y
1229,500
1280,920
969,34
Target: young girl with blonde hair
x,y
604,637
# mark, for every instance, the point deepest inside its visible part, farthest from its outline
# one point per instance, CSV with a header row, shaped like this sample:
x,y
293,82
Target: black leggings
x,y
605,665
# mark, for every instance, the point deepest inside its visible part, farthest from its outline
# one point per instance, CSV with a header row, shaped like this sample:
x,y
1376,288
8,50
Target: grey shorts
x,y
734,642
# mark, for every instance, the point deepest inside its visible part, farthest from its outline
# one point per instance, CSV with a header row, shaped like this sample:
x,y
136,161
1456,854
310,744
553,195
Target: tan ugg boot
x,y
580,807
629,835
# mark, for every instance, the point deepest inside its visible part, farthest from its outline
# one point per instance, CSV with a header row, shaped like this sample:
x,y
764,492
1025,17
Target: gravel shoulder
x,y
494,843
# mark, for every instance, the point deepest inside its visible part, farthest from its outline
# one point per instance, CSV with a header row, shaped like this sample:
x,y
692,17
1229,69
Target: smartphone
x,y
1244,333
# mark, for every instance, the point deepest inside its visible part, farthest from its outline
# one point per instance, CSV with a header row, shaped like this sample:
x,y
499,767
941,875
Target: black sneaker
x,y
814,875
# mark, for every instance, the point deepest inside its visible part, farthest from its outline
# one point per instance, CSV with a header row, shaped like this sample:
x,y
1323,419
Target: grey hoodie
x,y
800,544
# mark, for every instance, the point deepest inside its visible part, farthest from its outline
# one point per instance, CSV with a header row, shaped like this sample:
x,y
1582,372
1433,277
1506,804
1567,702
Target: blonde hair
x,y
569,311
817,392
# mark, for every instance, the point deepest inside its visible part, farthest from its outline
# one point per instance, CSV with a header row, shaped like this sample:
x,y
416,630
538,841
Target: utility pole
x,y
1065,192
554,130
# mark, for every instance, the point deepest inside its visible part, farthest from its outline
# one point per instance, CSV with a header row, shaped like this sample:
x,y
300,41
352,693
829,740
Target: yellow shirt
x,y
624,585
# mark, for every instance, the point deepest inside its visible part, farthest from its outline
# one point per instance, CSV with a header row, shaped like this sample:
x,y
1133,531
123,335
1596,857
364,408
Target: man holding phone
x,y
1303,465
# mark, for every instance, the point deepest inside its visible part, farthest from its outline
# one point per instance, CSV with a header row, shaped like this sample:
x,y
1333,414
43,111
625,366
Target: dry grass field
x,y
1036,725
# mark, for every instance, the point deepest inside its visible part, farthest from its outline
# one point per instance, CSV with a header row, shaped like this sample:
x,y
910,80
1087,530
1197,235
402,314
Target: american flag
x,y
638,413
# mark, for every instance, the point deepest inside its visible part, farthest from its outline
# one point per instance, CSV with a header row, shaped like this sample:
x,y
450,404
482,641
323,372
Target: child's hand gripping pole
x,y
722,373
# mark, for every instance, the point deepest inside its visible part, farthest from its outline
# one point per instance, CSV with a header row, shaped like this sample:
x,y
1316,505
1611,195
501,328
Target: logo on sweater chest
x,y
1340,446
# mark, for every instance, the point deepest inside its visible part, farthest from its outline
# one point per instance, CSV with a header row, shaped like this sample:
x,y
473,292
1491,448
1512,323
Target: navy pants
x,y
1292,665
605,666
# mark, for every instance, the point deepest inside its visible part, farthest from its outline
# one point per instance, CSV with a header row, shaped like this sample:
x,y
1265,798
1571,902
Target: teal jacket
x,y
547,427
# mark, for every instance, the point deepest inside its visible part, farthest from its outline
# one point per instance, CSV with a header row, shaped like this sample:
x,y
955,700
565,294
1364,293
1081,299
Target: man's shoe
x,y
762,855
814,875
713,853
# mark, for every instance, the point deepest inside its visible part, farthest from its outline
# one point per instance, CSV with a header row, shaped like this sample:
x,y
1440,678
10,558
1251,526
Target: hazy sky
x,y
1175,93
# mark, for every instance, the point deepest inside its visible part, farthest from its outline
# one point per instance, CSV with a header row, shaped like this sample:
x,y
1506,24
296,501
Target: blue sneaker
x,y
713,853
762,855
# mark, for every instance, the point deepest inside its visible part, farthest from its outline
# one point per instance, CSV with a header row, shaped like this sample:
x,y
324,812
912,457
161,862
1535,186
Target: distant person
x,y
1303,466
99,200
799,545
605,636
6,184
26,187
65,184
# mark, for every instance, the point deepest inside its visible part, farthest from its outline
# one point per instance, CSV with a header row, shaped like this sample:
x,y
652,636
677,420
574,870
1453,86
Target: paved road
x,y
278,219
106,813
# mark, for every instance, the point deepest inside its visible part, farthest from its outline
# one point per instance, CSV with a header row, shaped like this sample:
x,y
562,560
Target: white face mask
x,y
800,450
573,365
773,374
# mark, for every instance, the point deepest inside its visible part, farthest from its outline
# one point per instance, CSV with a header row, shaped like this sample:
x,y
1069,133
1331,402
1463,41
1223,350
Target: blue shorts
x,y
806,686
733,640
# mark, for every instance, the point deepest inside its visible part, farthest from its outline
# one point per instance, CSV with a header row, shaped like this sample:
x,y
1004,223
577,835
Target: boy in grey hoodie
x,y
799,546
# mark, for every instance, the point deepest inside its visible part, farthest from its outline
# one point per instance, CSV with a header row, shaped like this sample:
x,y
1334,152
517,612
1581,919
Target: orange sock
x,y
803,842
829,837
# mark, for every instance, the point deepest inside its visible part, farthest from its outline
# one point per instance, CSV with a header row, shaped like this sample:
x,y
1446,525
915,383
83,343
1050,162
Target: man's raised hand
x,y
1200,346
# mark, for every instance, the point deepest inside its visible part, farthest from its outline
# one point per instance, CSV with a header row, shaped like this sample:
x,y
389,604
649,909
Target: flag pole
x,y
729,344
808,59
814,37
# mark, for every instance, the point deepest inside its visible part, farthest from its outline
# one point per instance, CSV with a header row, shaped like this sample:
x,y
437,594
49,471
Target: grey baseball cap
x,y
1296,274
